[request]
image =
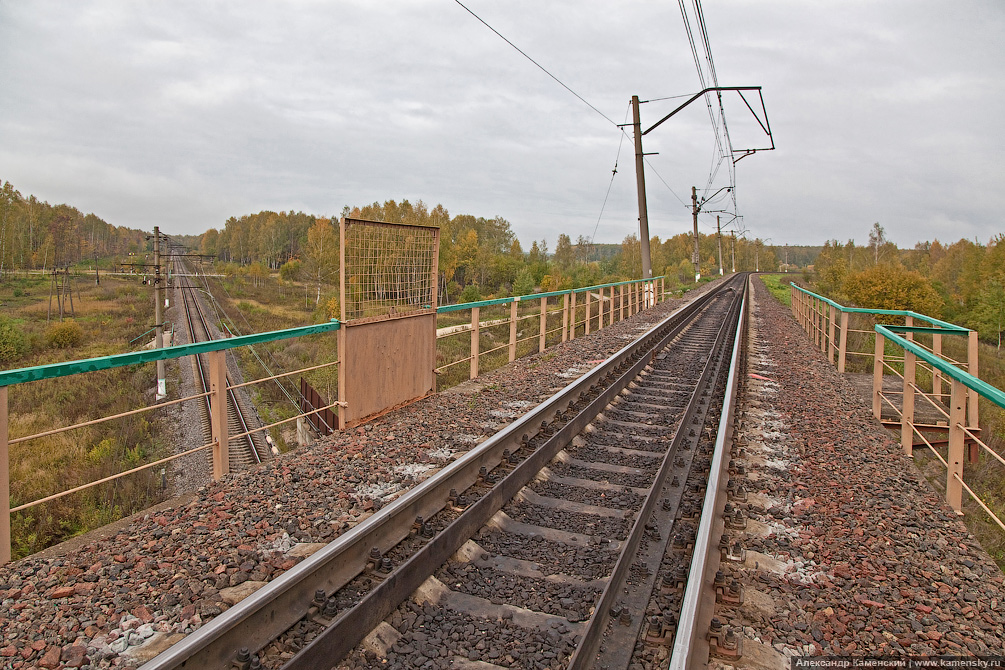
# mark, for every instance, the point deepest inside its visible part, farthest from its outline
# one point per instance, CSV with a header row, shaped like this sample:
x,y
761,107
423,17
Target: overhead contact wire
x,y
541,67
611,183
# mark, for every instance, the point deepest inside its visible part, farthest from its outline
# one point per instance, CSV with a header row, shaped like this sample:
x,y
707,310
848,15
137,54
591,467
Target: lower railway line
x,y
568,539
245,451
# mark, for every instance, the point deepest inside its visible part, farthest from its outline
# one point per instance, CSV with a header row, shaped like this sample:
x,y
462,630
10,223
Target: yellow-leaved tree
x,y
892,287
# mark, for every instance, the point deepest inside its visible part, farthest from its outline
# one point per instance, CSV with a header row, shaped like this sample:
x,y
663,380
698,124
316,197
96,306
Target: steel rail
x,y
234,404
198,360
595,629
689,641
349,629
261,617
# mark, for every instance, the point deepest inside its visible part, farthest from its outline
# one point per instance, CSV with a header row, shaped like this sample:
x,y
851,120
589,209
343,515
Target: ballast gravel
x,y
850,551
108,598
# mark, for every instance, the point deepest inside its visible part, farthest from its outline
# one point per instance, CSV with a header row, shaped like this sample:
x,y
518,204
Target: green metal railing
x,y
633,296
54,370
826,322
615,301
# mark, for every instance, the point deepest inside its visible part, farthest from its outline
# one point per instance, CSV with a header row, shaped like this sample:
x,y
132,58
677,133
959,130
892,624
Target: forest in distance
x,y
962,281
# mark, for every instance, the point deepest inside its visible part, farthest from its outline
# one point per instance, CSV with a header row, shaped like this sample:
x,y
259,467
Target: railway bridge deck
x,y
846,548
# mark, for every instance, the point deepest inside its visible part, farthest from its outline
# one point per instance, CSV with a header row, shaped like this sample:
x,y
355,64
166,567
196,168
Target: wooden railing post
x,y
565,317
824,315
600,310
843,341
936,372
512,330
543,334
612,306
818,330
804,312
831,347
957,438
877,378
621,302
586,320
808,317
801,318
475,325
218,408
973,416
907,413
5,546
572,315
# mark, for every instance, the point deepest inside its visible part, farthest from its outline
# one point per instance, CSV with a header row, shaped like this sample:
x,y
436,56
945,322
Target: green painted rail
x,y
54,370
67,368
993,394
535,296
886,312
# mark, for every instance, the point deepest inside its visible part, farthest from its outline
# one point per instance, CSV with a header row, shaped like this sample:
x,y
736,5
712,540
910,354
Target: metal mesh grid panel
x,y
388,270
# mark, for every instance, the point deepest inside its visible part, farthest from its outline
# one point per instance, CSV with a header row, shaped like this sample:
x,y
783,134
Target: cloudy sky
x,y
182,114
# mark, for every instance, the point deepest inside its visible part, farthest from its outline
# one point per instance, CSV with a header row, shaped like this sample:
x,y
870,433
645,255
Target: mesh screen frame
x,y
388,270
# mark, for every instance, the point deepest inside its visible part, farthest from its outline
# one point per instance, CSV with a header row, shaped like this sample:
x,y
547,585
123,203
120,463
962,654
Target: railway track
x,y
245,451
568,539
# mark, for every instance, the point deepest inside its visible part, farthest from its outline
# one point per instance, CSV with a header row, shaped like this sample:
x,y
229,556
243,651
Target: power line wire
x,y
669,97
701,73
653,168
613,173
541,67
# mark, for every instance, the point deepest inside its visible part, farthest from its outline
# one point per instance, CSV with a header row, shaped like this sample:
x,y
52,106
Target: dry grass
x,y
109,316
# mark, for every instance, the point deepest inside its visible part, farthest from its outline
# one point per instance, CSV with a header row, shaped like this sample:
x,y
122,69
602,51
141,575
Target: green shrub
x,y
64,335
13,343
524,284
471,293
101,452
290,270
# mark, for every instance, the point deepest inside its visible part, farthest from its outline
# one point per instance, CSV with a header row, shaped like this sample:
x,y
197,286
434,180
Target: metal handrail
x,y
973,383
65,369
535,296
946,326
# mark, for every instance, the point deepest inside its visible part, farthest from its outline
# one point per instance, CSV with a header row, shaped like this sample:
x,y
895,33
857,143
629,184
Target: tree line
x,y
962,282
35,235
479,257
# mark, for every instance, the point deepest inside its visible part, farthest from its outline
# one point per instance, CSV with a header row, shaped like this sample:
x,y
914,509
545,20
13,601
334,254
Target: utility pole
x,y
640,178
732,249
695,257
158,317
718,234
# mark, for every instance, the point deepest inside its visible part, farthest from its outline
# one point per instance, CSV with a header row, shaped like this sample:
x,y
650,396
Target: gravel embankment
x,y
168,572
850,551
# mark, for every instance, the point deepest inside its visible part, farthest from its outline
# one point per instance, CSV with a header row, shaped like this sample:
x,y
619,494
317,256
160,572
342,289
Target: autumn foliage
x,y
962,282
